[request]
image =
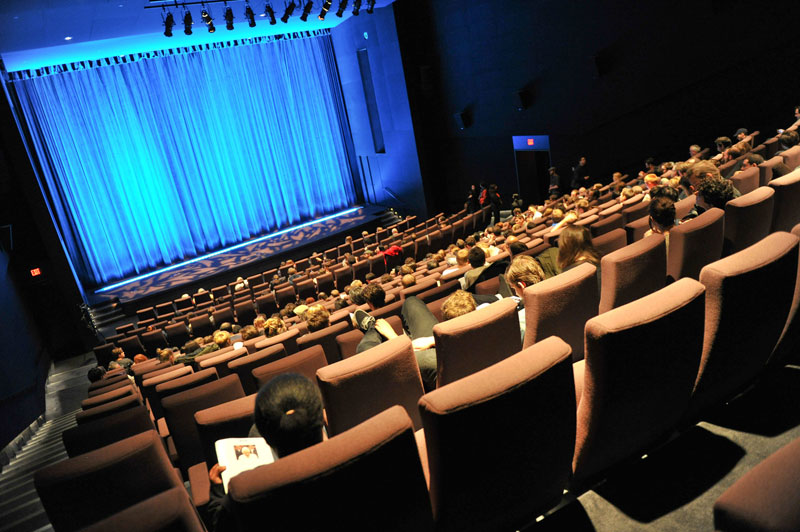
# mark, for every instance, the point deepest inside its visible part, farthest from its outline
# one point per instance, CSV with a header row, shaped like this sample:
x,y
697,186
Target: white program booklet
x,y
242,454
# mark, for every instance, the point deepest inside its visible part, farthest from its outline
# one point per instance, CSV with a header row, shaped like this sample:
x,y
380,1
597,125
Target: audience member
x,y
317,318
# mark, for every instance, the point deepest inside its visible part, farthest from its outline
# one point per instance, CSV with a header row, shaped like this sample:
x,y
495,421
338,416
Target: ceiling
x,y
35,32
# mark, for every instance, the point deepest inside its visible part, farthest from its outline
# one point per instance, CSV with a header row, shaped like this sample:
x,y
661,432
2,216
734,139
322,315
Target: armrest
x,y
200,484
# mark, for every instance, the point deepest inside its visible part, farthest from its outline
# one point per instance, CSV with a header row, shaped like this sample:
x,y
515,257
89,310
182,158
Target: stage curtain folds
x,y
151,162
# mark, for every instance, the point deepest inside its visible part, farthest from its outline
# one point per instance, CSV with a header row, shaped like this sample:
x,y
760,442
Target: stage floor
x,y
267,249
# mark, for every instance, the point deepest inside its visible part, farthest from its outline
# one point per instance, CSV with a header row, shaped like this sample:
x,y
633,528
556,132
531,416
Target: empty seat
x,y
740,333
561,306
108,409
169,510
360,270
103,355
305,362
113,383
636,211
306,289
148,313
93,435
695,243
245,312
325,338
266,304
476,340
325,283
222,314
149,385
131,345
748,219
76,492
111,395
284,296
505,410
786,208
374,466
632,272
244,366
357,388
107,381
636,380
201,326
177,334
610,241
377,265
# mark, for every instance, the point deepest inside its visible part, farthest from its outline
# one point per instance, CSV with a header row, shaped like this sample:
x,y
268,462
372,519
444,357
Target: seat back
x,y
103,355
695,243
747,180
305,362
636,211
632,272
636,229
288,339
357,388
75,492
514,402
325,338
149,387
610,241
609,223
179,412
791,157
220,362
201,325
95,434
107,397
108,409
375,463
180,384
638,374
561,306
169,510
786,214
748,219
131,345
244,366
177,334
476,340
245,312
739,334
684,207
232,419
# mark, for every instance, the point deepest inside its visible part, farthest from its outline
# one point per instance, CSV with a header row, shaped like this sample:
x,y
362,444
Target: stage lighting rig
x,y
356,7
208,20
370,6
169,22
326,6
287,14
270,13
187,22
228,18
342,7
250,16
307,11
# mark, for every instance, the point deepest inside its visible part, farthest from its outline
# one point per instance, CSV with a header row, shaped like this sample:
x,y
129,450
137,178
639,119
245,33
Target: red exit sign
x,y
530,142
36,272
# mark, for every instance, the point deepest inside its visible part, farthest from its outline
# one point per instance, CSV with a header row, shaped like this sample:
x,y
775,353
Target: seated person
x,y
249,332
288,415
662,217
119,357
374,295
317,318
96,373
274,326
714,192
408,280
477,259
259,322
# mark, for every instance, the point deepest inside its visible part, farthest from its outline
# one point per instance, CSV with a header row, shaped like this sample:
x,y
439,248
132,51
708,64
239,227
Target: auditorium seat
x,y
636,229
748,219
96,434
765,498
791,157
108,409
160,369
107,397
444,289
634,212
510,426
360,270
771,147
245,312
636,380
765,169
149,384
367,478
634,271
476,340
201,326
288,339
177,334
266,304
343,276
152,341
788,348
786,207
131,345
305,362
124,329
169,510
145,314
284,296
684,207
244,366
747,180
222,314
607,224
348,341
359,387
221,360
326,338
77,492
739,290
103,355
610,241
695,243
561,306
112,383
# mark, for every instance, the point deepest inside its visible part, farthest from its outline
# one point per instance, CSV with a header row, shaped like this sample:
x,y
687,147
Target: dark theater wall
x,y
614,80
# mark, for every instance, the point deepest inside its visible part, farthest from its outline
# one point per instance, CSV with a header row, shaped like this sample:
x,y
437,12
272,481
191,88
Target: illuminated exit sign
x,y
36,272
531,142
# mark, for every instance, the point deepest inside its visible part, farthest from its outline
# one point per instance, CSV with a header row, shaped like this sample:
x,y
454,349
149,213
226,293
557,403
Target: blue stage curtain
x,y
153,161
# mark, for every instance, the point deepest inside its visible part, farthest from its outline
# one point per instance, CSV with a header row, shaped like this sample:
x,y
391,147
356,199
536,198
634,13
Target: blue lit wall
x,y
158,160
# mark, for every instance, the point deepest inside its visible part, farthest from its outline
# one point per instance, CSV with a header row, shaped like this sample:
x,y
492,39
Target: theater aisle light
x,y
187,22
307,11
250,15
356,7
228,18
169,22
326,6
370,6
208,20
287,14
341,9
268,11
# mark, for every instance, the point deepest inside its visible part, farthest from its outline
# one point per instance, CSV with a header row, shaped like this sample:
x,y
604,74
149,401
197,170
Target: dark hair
x,y
476,257
716,191
357,295
374,294
288,413
725,142
96,373
574,243
665,191
517,247
754,158
662,211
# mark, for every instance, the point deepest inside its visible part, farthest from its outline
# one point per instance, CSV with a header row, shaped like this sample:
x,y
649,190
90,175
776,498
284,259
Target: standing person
x,y
555,183
473,203
580,174
495,202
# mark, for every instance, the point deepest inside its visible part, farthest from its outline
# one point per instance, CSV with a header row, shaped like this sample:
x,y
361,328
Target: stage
x,y
247,258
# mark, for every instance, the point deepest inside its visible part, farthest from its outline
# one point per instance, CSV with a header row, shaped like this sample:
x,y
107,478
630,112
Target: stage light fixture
x,y
342,7
307,11
169,22
356,7
370,6
288,13
187,22
326,6
228,18
250,16
268,11
208,20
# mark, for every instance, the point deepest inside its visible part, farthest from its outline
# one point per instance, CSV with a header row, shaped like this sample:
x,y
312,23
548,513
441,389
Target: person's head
x,y
651,180
96,373
139,358
788,139
458,304
741,133
701,170
274,326
226,326
462,257
476,257
797,112
166,355
662,214
222,338
524,271
259,322
752,159
626,194
408,280
288,413
517,247
356,295
694,149
375,295
557,215
406,269
470,241
650,163
368,278
192,345
665,191
432,264
317,318
117,353
714,192
575,245
582,161
249,332
722,144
